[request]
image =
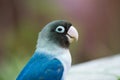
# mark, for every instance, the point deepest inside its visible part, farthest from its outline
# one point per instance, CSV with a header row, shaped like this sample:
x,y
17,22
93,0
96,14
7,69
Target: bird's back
x,y
42,67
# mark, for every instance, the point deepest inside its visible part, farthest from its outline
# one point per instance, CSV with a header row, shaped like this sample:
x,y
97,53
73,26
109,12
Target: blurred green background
x,y
97,21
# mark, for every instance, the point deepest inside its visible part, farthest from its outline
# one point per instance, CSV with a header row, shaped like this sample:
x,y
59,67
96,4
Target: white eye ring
x,y
60,29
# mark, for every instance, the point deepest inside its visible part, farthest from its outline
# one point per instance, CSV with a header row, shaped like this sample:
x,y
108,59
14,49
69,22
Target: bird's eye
x,y
60,29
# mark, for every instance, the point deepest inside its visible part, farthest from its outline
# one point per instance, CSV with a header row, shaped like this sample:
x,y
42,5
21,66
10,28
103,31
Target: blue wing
x,y
42,67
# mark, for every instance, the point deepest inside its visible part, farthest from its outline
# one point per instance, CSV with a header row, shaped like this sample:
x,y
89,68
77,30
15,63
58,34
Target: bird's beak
x,y
72,34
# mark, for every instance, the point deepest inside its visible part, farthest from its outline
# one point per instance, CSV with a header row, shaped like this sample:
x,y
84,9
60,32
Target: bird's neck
x,y
47,46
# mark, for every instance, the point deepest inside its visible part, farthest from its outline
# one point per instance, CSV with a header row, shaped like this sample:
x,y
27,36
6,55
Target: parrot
x,y
51,59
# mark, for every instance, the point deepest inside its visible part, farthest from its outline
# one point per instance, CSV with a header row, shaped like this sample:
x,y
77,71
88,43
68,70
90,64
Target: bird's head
x,y
59,32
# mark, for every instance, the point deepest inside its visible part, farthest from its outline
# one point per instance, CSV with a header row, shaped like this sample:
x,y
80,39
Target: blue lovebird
x,y
51,59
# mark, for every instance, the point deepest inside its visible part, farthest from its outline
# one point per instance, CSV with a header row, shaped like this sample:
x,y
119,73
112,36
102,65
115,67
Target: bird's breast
x,y
65,59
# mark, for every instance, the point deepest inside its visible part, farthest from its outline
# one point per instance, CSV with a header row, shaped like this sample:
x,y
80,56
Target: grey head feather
x,y
48,35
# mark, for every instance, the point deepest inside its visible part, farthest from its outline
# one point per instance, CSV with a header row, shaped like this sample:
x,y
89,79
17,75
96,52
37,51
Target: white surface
x,y
101,69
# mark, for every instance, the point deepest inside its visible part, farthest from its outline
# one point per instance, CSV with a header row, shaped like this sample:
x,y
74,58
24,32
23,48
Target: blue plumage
x,y
42,67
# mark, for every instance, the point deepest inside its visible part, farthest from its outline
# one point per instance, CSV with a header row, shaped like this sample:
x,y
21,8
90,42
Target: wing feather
x,y
42,67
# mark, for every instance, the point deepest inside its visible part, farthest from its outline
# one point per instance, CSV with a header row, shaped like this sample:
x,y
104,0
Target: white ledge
x,y
101,69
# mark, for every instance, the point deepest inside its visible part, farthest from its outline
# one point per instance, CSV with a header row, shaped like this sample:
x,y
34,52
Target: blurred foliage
x,y
21,21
